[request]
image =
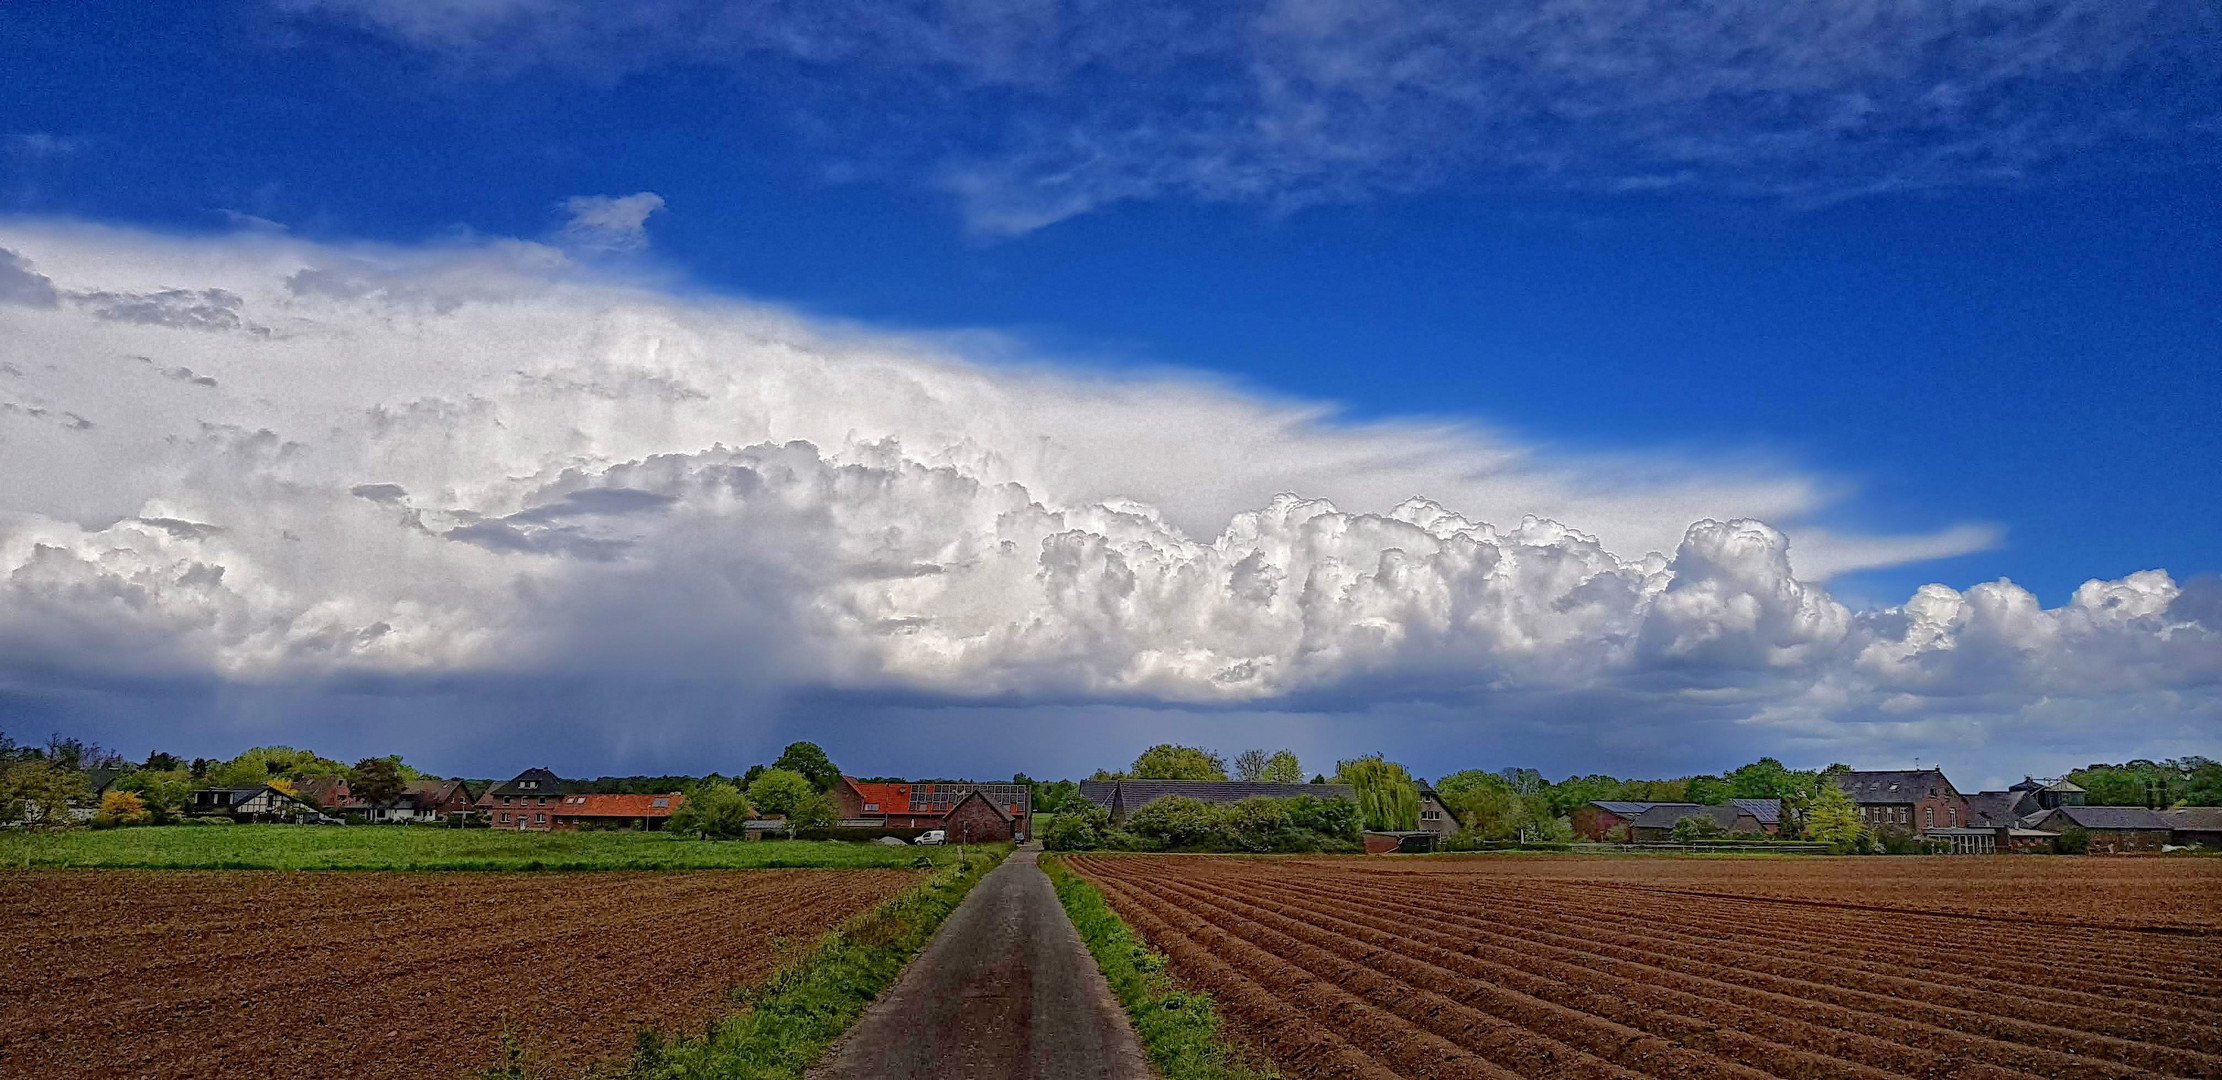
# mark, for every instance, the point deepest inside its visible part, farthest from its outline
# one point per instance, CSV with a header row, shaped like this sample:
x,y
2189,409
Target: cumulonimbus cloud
x,y
485,459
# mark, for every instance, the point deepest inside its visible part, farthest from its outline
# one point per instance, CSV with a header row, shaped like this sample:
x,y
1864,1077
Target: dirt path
x,y
1005,990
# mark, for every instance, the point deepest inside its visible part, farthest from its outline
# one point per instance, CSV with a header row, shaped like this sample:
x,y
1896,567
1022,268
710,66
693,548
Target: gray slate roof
x,y
1768,811
1999,809
1892,787
2196,818
2104,817
1664,815
1622,807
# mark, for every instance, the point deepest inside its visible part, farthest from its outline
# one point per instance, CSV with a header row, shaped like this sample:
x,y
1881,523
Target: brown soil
x,y
122,973
1704,968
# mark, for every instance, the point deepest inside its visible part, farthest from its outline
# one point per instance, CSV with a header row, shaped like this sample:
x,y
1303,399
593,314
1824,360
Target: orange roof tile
x,y
619,805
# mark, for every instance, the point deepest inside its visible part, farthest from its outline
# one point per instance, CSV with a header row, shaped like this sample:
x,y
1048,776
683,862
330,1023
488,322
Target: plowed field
x,y
125,973
1730,969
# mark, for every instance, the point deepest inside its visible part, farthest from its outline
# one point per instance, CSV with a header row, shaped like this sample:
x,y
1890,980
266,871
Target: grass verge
x,y
1180,1031
791,1019
413,847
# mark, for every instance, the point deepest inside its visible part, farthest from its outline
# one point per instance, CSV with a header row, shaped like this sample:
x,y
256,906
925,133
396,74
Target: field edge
x,y
790,1020
1181,1032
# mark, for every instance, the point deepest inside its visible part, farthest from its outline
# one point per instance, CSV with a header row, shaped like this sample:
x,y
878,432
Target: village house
x,y
1434,817
928,804
327,792
525,802
261,803
1911,801
1119,798
420,802
640,813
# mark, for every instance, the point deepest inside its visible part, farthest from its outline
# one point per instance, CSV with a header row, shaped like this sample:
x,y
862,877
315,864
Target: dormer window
x,y
660,803
871,808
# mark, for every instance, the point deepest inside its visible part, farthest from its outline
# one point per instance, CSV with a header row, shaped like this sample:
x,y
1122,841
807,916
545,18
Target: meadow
x,y
398,847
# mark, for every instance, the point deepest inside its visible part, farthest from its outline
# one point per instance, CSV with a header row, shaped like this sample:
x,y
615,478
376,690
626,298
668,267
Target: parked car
x,y
932,836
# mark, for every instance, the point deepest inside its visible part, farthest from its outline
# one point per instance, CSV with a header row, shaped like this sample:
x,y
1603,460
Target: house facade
x,y
421,802
1434,816
528,801
1912,801
259,803
2199,826
1118,798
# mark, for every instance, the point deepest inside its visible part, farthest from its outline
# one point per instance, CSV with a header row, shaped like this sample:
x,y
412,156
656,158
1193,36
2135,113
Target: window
x,y
660,803
1952,816
505,819
871,808
543,800
1928,817
539,819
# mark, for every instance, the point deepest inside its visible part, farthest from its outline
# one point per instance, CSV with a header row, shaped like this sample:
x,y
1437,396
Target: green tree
x,y
1249,766
1387,797
39,792
376,780
1695,827
1709,790
1081,827
714,811
166,793
1833,818
1177,821
1283,768
262,764
781,793
811,761
1166,761
1483,802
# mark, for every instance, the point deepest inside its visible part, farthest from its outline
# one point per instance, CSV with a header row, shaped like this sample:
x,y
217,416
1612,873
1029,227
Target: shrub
x,y
1333,819
1177,821
1080,827
2073,841
119,808
1695,827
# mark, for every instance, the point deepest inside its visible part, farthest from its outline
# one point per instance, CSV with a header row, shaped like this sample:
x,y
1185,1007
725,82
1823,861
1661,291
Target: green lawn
x,y
394,847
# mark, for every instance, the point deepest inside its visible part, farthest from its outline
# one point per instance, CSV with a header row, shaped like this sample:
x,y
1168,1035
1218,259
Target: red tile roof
x,y
889,798
641,806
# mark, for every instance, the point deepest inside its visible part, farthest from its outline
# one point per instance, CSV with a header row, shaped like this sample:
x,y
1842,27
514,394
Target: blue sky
x,y
1954,271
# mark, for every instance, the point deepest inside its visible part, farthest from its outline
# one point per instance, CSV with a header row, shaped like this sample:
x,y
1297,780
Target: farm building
x,y
928,804
1999,809
2049,794
1657,824
328,792
1119,798
2114,830
640,813
2195,825
524,802
1912,800
1597,820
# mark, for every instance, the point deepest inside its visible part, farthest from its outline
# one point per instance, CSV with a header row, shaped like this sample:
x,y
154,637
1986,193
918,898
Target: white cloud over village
x,y
257,460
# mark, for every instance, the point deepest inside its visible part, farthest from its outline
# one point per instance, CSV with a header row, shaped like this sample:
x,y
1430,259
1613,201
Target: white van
x,y
932,836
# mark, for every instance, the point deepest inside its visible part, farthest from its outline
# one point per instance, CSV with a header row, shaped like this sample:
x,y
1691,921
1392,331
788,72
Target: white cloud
x,y
479,460
1055,108
609,222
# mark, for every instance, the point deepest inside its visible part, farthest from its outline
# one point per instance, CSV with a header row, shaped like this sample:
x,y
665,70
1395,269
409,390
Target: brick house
x,y
1912,801
1597,819
641,813
328,792
927,804
974,819
526,802
420,801
2200,825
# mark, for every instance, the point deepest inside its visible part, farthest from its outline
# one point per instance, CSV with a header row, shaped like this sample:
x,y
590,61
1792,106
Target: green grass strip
x,y
423,847
1180,1031
792,1018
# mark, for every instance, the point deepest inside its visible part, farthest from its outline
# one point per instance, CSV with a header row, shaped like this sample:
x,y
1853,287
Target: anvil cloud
x,y
256,460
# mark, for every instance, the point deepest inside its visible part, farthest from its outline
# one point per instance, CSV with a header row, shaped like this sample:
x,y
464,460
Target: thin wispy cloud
x,y
1034,112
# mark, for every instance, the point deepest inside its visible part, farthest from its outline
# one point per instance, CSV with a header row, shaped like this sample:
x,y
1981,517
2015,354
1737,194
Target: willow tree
x,y
1387,797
